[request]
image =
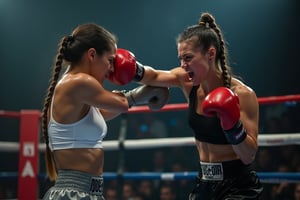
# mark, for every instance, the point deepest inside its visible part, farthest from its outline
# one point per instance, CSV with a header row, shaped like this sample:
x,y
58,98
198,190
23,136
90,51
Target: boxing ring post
x,y
28,154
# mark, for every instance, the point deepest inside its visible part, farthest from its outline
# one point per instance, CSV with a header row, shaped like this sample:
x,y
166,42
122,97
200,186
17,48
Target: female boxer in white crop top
x,y
75,110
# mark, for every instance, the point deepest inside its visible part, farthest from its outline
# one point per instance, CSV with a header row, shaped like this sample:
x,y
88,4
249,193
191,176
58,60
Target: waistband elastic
x,y
80,181
222,170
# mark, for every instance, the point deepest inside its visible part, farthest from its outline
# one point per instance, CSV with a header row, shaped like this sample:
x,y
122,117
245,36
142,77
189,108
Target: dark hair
x,y
206,34
70,49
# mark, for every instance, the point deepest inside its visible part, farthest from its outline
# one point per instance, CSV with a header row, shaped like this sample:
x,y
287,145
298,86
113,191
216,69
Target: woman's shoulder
x,y
76,81
242,90
77,88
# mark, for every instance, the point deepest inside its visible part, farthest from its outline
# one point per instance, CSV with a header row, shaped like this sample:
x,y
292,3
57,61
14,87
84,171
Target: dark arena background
x,y
263,39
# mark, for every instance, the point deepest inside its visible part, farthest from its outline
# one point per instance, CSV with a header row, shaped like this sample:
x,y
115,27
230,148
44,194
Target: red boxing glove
x,y
225,103
126,68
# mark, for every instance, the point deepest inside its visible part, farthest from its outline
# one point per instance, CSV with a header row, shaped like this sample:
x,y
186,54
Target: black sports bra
x,y
206,129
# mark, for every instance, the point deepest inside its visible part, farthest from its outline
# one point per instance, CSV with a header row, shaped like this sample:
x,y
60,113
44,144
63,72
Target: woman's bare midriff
x,y
215,152
85,160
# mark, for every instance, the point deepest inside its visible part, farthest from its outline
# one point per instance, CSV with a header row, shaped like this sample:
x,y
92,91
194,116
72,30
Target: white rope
x,y
263,140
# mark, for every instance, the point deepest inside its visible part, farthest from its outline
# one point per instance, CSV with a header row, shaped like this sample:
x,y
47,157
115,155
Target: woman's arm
x,y
249,114
175,77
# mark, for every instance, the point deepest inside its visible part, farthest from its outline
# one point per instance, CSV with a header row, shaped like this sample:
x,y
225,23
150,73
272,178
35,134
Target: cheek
x,y
200,72
198,66
107,64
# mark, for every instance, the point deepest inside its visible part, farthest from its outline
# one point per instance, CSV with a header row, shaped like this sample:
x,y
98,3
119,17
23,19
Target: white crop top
x,y
85,133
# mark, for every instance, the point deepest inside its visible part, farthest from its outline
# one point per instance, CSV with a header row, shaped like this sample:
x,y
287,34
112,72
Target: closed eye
x,y
111,61
188,58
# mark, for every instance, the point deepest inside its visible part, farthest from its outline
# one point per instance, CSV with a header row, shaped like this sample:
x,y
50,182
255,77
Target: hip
x,y
76,185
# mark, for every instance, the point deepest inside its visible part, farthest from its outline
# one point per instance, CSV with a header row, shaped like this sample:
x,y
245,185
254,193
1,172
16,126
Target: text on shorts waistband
x,y
212,171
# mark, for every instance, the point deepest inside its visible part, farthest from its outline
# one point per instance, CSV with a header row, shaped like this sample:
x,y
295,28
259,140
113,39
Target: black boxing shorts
x,y
226,181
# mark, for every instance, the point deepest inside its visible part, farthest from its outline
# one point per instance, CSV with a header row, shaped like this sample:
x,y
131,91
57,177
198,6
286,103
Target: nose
x,y
183,64
111,67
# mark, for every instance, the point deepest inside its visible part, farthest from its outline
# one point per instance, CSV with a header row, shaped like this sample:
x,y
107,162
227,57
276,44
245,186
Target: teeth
x,y
191,74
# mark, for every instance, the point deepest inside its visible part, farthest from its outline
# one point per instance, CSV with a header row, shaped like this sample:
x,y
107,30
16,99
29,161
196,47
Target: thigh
x,y
67,194
206,190
245,187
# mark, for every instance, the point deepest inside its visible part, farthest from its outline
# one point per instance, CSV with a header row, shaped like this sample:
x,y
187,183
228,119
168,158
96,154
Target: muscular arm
x,y
75,93
249,109
90,92
163,78
175,77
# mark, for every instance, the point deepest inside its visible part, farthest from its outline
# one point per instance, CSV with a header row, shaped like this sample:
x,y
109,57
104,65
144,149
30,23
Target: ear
x,y
91,53
211,53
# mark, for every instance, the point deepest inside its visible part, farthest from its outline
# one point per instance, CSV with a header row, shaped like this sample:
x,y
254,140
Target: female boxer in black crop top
x,y
225,128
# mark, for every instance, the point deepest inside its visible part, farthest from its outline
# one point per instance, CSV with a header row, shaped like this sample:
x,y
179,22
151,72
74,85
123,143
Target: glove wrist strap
x,y
237,134
139,73
130,99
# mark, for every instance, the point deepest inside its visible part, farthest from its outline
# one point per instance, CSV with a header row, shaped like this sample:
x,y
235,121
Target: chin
x,y
195,83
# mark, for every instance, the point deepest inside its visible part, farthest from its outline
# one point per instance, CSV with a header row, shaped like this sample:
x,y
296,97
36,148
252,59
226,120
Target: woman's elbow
x,y
249,157
248,160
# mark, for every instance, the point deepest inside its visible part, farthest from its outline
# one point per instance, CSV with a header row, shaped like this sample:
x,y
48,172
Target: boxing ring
x,y
29,147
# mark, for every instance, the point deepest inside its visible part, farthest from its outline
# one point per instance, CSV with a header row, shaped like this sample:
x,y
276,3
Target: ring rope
x,y
263,140
183,106
265,177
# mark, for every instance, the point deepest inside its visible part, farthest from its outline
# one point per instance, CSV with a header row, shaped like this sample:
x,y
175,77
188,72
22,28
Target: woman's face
x,y
108,62
193,61
105,62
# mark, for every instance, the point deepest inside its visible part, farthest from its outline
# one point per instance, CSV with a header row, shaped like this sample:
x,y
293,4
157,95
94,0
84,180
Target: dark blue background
x,y
262,35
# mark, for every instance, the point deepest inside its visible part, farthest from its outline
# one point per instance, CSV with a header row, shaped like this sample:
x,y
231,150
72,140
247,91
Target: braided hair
x,y
70,51
207,33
